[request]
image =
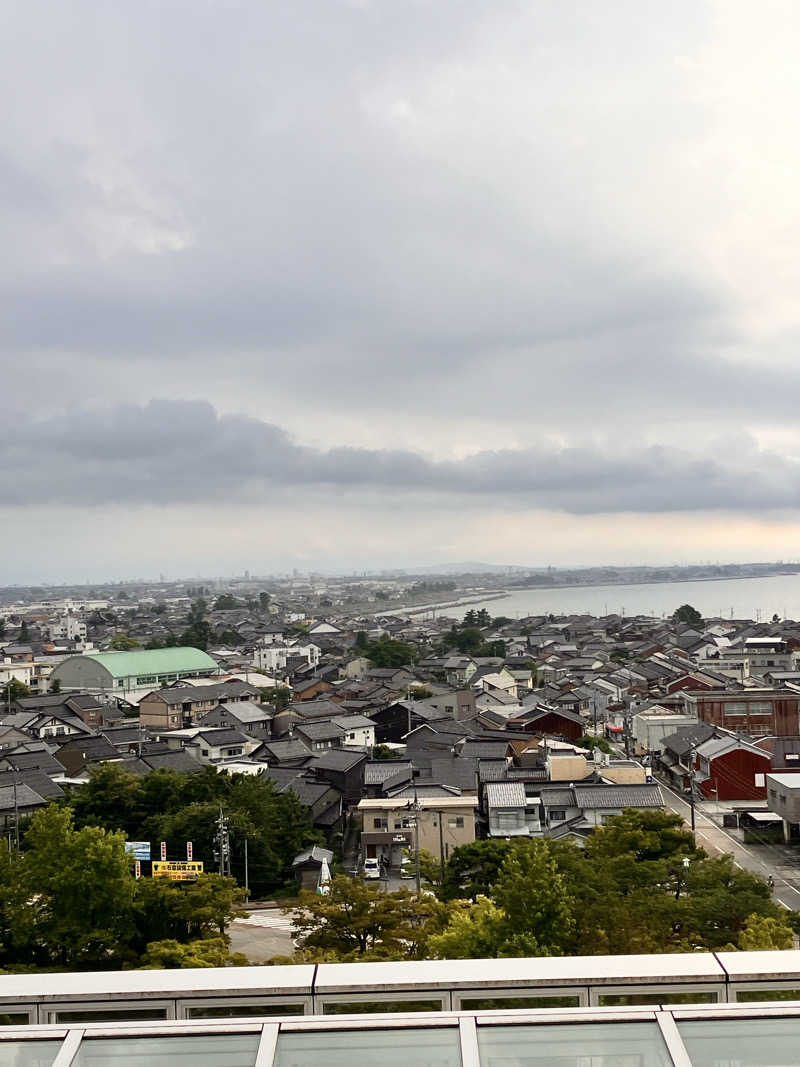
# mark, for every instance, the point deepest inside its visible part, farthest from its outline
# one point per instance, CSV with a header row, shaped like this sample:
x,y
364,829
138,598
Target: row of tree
x,y
639,885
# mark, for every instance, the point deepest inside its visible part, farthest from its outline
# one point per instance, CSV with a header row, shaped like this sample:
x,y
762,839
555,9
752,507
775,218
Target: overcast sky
x,y
381,282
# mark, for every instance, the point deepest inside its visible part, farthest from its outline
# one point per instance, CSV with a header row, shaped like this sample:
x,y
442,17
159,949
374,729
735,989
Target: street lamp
x,y
686,861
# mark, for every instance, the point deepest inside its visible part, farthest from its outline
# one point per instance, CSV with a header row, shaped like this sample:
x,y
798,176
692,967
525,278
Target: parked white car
x,y
371,868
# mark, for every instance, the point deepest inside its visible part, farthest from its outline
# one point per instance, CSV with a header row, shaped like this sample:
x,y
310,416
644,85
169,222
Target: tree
x,y
226,602
643,836
205,952
2,626
263,601
386,652
762,934
24,634
531,912
123,643
81,892
721,899
111,798
590,741
279,696
160,608
430,867
470,618
361,642
15,689
536,901
689,615
210,903
55,685
473,932
473,869
470,641
359,920
384,752
198,632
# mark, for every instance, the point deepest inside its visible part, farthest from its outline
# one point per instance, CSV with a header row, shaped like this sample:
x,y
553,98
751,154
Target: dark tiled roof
x,y
338,760
618,796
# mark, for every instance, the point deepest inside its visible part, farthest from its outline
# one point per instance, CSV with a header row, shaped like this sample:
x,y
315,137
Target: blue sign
x,y
140,849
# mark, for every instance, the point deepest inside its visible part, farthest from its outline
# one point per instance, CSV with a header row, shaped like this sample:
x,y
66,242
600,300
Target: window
x,y
234,1050
760,781
353,1048
380,824
456,822
601,1044
204,751
557,815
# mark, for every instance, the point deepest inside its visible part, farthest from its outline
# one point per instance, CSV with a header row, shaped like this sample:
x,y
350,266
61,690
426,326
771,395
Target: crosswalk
x,y
272,919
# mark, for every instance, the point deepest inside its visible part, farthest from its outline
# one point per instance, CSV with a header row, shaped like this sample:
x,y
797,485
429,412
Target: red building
x,y
728,768
695,682
550,722
755,712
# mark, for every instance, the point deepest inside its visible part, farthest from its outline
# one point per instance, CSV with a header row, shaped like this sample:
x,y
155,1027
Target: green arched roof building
x,y
122,671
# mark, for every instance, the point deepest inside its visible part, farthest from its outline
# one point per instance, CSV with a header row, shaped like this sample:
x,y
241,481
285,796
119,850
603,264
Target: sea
x,y
729,598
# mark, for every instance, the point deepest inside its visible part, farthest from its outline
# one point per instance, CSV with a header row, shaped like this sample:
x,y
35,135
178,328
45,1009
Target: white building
x,y
67,628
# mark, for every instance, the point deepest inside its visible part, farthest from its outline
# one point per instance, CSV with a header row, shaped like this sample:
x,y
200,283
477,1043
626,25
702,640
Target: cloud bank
x,y
173,452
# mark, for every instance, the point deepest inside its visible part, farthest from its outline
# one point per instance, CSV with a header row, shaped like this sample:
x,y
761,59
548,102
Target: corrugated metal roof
x,y
152,661
493,770
505,795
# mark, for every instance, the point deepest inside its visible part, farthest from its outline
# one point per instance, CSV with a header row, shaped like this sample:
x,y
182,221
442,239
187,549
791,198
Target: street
x,y
262,934
764,860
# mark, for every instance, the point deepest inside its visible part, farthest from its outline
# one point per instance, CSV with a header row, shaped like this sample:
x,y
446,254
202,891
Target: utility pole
x,y
417,809
692,751
16,817
223,853
441,843
246,874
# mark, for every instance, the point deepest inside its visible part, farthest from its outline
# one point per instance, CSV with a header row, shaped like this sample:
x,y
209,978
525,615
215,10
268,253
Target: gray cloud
x,y
399,200
172,452
395,231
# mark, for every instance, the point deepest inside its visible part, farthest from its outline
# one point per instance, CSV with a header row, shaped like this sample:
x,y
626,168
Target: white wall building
x,y
67,628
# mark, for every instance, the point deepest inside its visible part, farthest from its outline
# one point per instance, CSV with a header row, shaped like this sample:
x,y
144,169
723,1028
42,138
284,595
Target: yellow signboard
x,y
177,870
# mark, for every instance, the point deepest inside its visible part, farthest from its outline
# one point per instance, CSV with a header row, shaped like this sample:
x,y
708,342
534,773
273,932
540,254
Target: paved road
x,y
262,934
764,860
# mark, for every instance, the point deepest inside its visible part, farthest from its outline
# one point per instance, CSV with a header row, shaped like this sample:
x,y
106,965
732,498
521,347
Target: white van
x,y
371,868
